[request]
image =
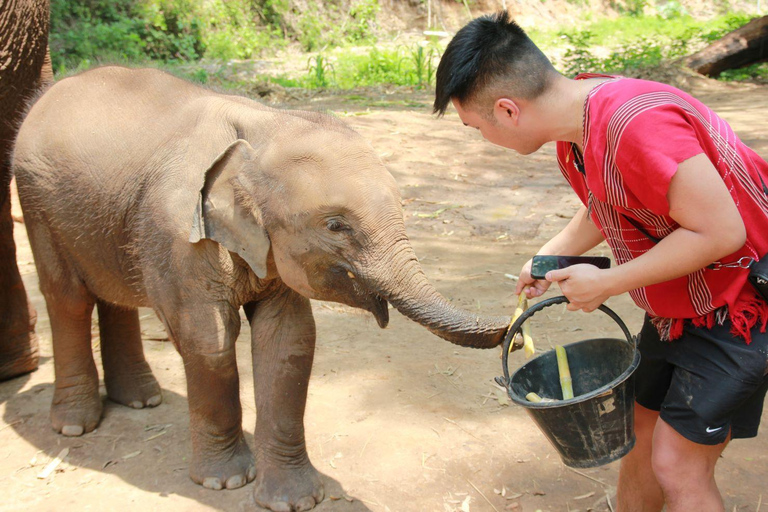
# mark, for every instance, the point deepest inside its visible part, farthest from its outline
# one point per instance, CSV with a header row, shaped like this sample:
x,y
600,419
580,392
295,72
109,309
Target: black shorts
x,y
706,384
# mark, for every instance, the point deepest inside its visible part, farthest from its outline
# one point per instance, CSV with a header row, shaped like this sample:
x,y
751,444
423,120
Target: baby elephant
x,y
142,190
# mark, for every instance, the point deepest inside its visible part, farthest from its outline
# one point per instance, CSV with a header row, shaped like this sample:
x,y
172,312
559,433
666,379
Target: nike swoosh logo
x,y
710,430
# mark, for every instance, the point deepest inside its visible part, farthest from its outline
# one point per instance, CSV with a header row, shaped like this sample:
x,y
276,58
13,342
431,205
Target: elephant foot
x,y
19,355
284,488
76,409
228,469
138,389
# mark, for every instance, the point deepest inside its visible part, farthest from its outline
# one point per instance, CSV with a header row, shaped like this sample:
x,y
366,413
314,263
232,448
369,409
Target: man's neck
x,y
562,109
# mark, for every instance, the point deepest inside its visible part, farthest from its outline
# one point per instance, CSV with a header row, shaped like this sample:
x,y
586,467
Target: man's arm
x,y
710,228
576,238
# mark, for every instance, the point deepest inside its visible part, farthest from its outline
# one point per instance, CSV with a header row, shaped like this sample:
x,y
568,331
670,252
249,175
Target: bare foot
x,y
23,356
224,469
137,388
76,407
286,488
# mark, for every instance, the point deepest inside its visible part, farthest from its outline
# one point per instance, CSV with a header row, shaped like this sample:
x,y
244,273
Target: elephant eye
x,y
336,225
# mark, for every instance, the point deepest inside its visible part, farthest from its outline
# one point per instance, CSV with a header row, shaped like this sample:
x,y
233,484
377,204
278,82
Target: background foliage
x,y
345,47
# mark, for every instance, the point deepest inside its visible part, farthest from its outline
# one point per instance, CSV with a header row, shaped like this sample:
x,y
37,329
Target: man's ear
x,y
227,214
506,111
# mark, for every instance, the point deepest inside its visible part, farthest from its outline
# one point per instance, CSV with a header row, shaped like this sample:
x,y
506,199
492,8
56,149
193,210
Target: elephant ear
x,y
227,214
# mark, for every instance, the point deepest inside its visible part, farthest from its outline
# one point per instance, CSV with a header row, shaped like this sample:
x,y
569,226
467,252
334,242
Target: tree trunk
x,y
744,46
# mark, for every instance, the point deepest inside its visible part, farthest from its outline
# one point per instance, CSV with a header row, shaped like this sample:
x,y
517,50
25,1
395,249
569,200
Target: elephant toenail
x,y
137,405
305,503
154,401
251,473
280,506
72,430
235,482
212,483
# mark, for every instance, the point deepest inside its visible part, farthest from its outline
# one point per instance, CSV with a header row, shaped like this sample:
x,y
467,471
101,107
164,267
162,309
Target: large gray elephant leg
x,y
283,341
18,342
127,376
205,336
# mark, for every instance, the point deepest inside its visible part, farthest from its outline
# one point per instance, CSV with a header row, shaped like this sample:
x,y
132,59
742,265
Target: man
x,y
683,205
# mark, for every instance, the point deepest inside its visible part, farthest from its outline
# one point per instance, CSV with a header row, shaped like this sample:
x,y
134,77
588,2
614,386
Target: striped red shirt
x,y
636,133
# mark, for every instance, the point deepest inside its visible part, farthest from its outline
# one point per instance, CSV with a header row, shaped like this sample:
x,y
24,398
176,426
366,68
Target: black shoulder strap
x,y
641,229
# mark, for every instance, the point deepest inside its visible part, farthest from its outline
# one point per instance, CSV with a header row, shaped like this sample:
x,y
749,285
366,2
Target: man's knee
x,y
678,462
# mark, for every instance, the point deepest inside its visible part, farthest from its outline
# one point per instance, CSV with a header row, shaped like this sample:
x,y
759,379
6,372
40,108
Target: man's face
x,y
503,129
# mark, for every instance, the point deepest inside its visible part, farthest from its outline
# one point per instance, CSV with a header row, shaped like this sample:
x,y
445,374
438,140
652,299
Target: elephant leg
x,y
18,342
283,341
76,406
127,376
205,336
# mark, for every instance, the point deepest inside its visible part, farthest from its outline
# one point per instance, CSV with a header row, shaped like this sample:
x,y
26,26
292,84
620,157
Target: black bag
x,y
758,276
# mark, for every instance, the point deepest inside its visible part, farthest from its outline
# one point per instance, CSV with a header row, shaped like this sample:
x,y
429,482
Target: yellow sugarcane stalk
x,y
533,397
566,384
522,305
527,339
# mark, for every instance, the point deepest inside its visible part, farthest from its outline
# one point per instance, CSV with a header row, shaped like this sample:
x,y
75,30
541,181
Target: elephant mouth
x,y
380,310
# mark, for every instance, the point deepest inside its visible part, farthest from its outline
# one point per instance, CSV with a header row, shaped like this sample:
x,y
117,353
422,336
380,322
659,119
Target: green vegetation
x,y
631,44
197,38
84,32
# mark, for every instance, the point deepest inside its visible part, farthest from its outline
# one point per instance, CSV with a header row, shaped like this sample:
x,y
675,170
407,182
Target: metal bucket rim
x,y
581,398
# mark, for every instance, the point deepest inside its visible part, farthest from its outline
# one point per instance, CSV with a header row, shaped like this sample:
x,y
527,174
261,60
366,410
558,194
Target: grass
x,y
618,45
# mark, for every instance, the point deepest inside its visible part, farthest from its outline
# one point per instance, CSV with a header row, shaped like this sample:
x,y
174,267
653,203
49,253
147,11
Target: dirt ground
x,y
397,419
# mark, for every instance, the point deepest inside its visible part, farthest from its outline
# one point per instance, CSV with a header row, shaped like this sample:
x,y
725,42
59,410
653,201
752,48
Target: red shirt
x,y
636,133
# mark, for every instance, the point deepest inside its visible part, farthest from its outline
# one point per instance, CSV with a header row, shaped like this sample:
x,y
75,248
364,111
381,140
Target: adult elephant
x,y
25,68
140,189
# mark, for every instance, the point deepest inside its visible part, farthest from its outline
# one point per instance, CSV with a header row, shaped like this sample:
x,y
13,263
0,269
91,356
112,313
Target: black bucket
x,y
597,425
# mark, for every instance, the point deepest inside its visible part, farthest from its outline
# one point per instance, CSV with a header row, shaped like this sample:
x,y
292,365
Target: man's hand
x,y
585,286
532,287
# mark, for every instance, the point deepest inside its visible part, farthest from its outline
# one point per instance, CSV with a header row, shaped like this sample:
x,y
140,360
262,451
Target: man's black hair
x,y
489,50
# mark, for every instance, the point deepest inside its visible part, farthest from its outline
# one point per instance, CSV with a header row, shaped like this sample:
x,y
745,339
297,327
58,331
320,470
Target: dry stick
x,y
51,467
365,445
465,430
483,495
587,476
608,499
11,424
759,502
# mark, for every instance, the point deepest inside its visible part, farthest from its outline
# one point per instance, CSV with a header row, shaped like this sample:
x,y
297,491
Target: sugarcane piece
x,y
527,340
533,397
522,305
566,384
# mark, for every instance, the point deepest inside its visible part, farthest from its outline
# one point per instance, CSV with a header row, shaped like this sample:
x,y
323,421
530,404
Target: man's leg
x,y
638,489
686,471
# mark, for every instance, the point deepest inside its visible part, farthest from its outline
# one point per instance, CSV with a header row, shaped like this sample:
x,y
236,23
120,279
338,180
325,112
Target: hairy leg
x,y
127,376
77,406
283,344
686,471
638,489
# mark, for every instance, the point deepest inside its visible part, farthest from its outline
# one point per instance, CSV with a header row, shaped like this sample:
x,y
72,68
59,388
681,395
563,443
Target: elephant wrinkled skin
x,y
24,69
141,190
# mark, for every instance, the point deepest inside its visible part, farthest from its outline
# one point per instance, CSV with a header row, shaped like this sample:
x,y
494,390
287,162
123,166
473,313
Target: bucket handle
x,y
535,309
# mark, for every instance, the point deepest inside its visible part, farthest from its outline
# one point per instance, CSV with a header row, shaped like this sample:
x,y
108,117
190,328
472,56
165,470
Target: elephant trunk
x,y
400,280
